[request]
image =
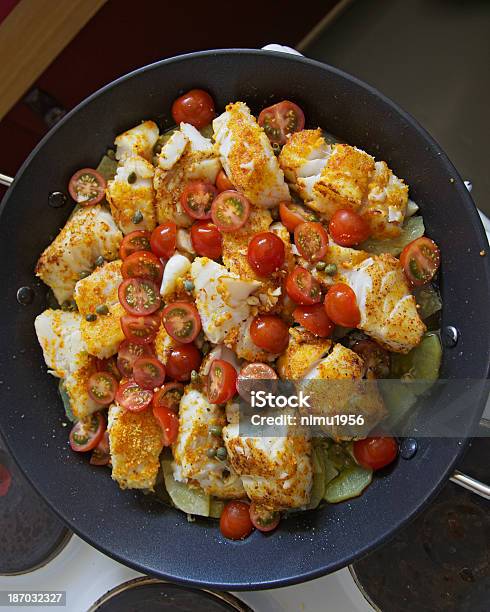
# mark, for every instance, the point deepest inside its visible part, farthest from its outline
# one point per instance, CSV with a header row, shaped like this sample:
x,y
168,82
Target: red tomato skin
x,y
169,422
291,218
198,188
140,329
302,287
255,517
314,319
110,380
192,316
195,107
133,285
277,122
341,305
124,396
222,381
413,253
101,453
270,333
159,397
138,240
266,253
207,239
235,523
142,264
348,228
163,239
223,183
375,452
182,360
220,204
305,234
128,353
94,440
144,380
101,186
5,480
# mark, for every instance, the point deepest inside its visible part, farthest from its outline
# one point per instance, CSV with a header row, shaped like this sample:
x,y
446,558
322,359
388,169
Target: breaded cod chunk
x,y
333,177
164,344
65,354
276,472
303,352
186,156
174,273
131,193
247,157
104,335
88,234
135,441
221,299
191,461
138,141
388,309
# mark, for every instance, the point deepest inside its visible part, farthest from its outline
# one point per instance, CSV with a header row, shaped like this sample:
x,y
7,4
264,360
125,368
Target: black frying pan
x,y
132,527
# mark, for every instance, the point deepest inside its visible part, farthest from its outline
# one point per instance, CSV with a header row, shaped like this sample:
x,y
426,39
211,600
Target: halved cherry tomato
x,y
101,454
140,330
135,241
148,372
255,376
223,183
266,253
128,353
270,333
131,396
101,387
169,396
311,240
139,296
169,422
420,260
302,287
87,187
87,433
375,453
235,523
263,519
182,361
142,264
195,107
207,239
5,480
281,120
348,228
293,214
182,321
230,210
341,305
221,382
376,359
314,319
109,365
197,197
163,239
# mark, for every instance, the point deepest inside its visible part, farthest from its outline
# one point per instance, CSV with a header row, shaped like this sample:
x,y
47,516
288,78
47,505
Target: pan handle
x,y
473,485
6,180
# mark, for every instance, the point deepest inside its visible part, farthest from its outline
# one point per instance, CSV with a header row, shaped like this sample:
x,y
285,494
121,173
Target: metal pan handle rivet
x,y
25,295
450,336
57,199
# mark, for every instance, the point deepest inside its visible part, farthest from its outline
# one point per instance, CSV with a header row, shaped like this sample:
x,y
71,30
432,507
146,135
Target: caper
x,y
215,430
132,177
69,306
111,154
211,452
276,147
102,309
84,274
194,376
321,265
205,348
331,269
221,453
188,285
137,217
90,317
100,261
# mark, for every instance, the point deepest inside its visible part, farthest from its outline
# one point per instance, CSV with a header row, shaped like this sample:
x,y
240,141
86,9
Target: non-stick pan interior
x,y
129,526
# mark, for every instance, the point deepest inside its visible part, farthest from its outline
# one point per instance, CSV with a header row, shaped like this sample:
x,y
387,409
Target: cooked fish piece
x,y
131,194
334,387
65,354
174,273
135,441
332,177
187,155
164,343
388,308
303,352
191,461
221,299
88,234
104,335
138,141
276,472
247,157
